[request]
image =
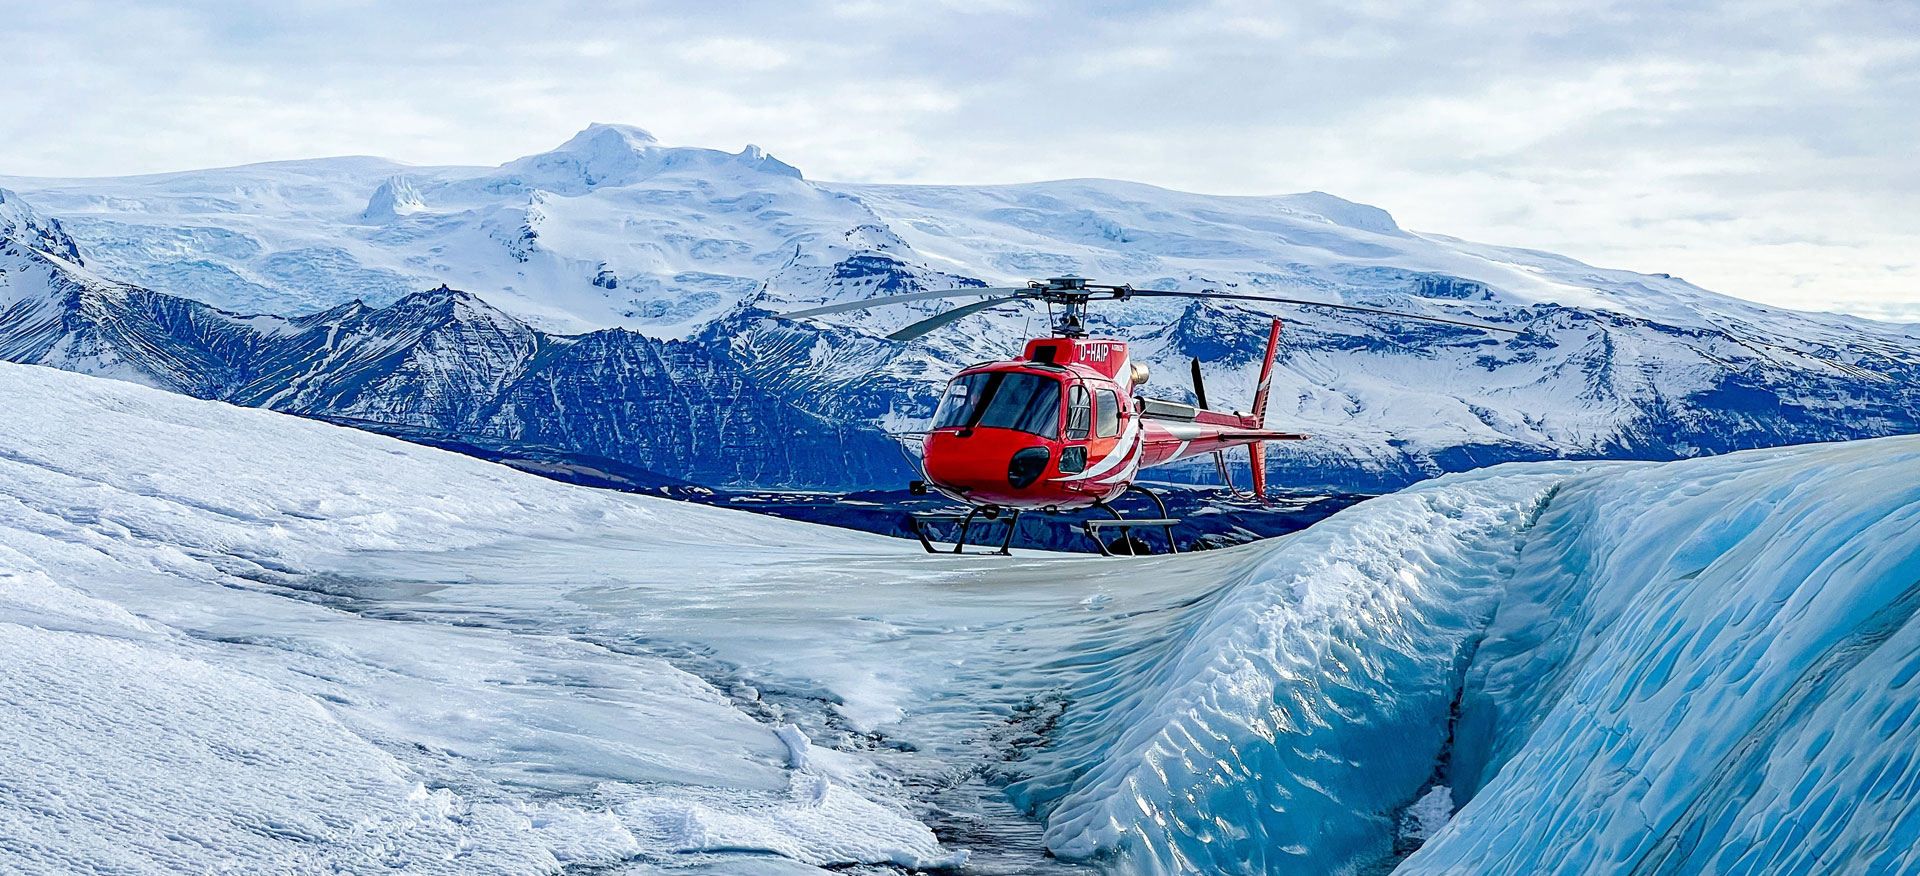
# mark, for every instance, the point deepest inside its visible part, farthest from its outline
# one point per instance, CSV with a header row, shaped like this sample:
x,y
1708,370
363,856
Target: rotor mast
x,y
1072,295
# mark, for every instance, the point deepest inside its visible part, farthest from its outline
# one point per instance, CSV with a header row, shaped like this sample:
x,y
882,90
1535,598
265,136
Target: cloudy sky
x,y
1765,149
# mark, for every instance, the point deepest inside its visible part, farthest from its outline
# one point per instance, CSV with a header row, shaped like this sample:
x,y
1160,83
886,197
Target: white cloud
x,y
1760,148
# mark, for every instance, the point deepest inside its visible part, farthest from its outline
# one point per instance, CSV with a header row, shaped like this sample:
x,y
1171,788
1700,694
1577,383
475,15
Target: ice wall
x,y
1695,667
1705,667
1286,729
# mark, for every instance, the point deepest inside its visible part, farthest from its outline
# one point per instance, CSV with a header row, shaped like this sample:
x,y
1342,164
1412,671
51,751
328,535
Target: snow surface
x,y
239,640
222,724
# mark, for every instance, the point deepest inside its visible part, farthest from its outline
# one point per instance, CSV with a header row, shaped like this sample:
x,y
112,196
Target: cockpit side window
x,y
956,404
1002,400
1079,413
1107,419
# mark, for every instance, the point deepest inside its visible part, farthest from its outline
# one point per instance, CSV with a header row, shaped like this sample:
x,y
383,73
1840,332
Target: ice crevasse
x,y
1697,667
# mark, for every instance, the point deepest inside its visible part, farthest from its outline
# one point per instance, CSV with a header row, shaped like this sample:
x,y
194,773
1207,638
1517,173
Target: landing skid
x,y
1127,545
920,521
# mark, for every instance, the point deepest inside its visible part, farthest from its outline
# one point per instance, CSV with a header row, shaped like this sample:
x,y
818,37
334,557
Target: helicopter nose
x,y
986,464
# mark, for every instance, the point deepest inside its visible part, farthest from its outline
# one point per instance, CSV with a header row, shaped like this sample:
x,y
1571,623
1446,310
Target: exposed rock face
x,y
24,227
754,401
447,362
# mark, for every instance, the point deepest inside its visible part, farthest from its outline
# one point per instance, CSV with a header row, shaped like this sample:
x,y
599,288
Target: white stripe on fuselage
x,y
1184,431
1124,474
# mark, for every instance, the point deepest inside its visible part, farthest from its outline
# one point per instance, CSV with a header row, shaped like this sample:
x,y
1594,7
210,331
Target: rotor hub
x,y
1072,295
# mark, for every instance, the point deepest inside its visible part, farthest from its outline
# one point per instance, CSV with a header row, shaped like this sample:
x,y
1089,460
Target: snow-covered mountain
x,y
239,641
613,230
440,360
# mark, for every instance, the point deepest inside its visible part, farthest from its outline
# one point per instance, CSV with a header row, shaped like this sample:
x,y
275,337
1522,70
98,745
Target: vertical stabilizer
x,y
1257,451
1266,378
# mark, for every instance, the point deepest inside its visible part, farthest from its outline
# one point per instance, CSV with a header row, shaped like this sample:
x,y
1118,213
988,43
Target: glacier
x,y
241,640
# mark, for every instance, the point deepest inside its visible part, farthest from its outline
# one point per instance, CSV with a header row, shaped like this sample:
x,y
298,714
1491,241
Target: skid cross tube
x,y
919,521
1126,526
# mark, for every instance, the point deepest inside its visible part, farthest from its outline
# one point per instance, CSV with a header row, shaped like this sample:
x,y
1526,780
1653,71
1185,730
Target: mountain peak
x,y
601,136
758,159
600,155
616,155
21,224
396,197
1348,214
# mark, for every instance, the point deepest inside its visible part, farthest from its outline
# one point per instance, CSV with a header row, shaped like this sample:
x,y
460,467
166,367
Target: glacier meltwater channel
x,y
235,639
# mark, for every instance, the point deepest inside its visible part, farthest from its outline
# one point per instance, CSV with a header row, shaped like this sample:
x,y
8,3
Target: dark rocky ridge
x,y
445,362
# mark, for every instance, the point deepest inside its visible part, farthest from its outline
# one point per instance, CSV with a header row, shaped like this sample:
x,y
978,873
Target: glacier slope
x,y
223,724
1654,663
684,233
442,361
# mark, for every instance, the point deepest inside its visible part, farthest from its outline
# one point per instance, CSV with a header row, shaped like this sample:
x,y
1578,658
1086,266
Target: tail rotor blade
x,y
1200,387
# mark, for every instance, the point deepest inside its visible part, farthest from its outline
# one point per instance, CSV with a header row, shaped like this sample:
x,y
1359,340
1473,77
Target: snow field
x,y
222,724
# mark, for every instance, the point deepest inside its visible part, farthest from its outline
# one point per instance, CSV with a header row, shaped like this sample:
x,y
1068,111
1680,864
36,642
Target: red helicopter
x,y
1062,428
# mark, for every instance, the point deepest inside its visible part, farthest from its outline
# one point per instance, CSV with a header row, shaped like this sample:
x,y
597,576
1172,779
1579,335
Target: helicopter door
x,y
1102,447
1073,457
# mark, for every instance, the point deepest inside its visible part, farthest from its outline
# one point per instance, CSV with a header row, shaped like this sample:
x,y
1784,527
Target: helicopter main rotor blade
x,y
1164,293
884,300
917,329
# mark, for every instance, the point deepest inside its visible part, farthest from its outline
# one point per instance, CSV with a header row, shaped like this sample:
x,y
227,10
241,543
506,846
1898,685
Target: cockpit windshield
x,y
1002,400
